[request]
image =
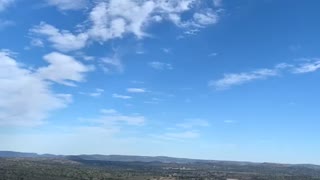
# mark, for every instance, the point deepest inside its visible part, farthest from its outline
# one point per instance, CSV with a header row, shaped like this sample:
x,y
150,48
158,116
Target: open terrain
x,y
30,166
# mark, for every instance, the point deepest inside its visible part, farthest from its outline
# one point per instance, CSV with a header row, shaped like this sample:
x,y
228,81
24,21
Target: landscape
x,y
159,89
32,166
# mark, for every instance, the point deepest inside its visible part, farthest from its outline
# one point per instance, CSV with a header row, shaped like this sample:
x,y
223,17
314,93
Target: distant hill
x,y
13,154
125,158
17,154
98,157
148,159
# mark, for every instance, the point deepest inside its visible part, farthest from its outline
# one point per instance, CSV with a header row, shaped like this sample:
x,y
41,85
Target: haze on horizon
x,y
202,79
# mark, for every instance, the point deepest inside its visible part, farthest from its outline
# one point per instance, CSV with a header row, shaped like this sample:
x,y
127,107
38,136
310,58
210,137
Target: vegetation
x,y
71,168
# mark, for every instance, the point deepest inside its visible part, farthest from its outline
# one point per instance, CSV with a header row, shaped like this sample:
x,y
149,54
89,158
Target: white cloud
x,y
153,101
68,4
229,121
119,96
166,50
137,82
213,54
88,58
83,56
62,69
193,123
6,23
206,18
26,99
136,90
217,3
4,4
115,18
237,79
62,40
234,79
111,117
308,67
112,64
118,118
108,111
160,65
36,42
188,129
175,6
157,18
140,49
191,32
95,131
184,135
98,92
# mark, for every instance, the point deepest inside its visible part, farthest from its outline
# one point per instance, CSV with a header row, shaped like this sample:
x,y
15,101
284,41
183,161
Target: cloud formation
x,y
185,130
234,79
62,40
112,64
116,18
5,23
160,65
26,98
68,4
136,90
308,67
193,123
240,78
181,135
120,96
63,69
112,117
4,4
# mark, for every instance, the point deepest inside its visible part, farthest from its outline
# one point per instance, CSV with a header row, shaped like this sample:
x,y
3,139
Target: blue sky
x,y
216,79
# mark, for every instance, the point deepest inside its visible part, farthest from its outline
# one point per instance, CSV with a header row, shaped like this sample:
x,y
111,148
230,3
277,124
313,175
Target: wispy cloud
x,y
6,23
229,121
237,79
137,82
36,42
4,4
185,130
234,79
108,111
98,92
166,50
206,18
183,135
140,49
111,121
112,64
136,90
119,96
160,65
308,67
113,117
217,3
193,123
68,4
213,54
